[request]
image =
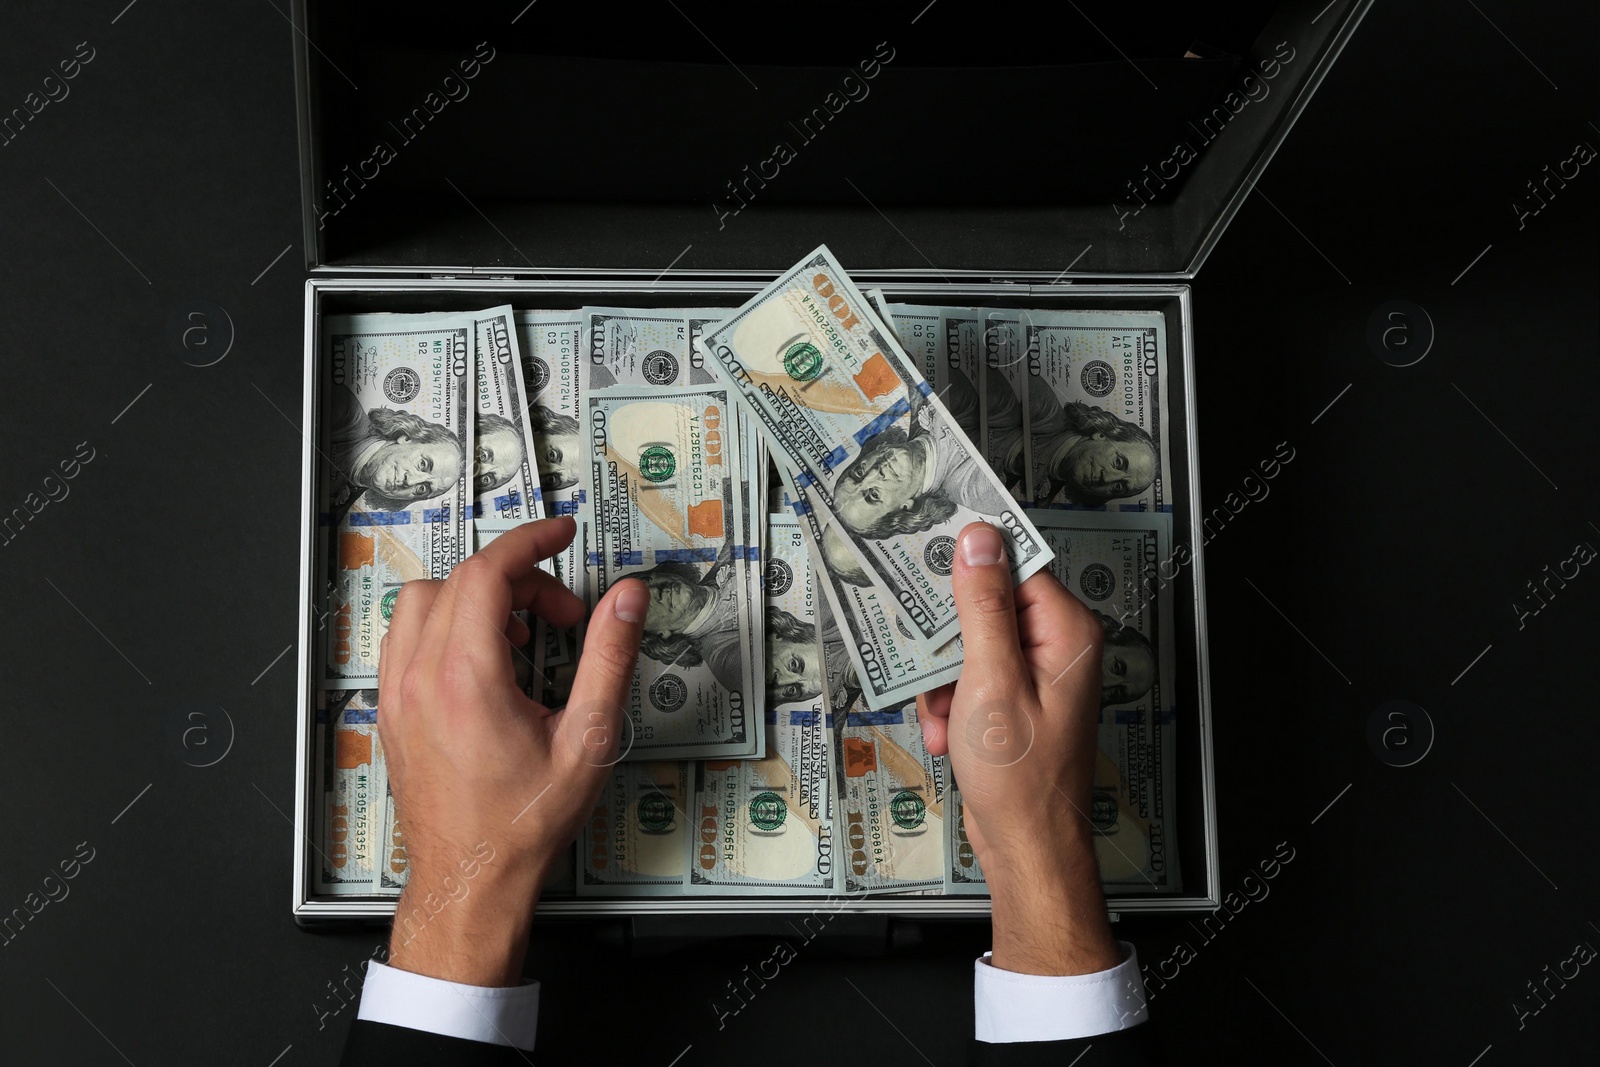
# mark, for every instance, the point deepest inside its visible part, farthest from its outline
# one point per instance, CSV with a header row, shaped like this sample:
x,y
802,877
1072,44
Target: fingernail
x,y
981,547
632,603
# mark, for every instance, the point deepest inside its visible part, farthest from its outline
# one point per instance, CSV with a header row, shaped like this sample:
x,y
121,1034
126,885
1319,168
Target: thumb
x,y
592,725
986,604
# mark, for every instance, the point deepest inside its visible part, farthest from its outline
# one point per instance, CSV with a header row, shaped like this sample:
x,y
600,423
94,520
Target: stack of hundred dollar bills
x,y
789,479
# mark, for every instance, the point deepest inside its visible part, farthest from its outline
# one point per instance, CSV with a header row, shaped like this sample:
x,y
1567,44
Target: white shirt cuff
x,y
1008,1006
493,1016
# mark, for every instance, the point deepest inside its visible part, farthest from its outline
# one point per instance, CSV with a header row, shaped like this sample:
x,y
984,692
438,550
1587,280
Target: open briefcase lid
x,y
1017,141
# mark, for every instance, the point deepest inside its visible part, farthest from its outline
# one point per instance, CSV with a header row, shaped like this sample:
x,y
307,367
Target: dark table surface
x,y
1388,562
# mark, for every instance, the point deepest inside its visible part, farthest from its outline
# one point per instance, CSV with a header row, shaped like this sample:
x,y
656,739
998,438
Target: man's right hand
x,y
1020,729
490,785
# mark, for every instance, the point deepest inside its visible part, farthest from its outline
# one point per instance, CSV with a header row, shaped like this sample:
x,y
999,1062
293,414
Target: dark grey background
x,y
1384,564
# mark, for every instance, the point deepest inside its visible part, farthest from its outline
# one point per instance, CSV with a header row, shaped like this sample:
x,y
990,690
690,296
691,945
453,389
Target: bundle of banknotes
x,y
788,478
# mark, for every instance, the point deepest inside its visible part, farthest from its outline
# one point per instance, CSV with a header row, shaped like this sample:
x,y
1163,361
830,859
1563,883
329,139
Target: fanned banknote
x,y
637,841
891,803
890,666
1098,410
665,497
752,492
1108,559
767,825
551,344
398,438
850,415
505,472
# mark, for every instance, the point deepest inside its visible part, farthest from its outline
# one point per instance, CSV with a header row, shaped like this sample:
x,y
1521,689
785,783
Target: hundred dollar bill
x,y
394,866
1108,559
963,874
1111,561
847,411
354,786
1132,809
916,327
1097,403
752,469
961,373
551,344
1129,661
362,846
766,826
637,841
891,803
505,471
558,674
699,321
841,686
891,667
947,344
797,673
399,442
1004,425
639,347
665,498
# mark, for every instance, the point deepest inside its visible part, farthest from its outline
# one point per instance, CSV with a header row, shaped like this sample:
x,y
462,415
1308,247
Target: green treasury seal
x,y
657,463
907,810
654,812
386,604
767,811
803,361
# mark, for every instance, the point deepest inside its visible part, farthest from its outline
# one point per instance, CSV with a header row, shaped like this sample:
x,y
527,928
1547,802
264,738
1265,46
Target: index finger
x,y
1055,628
518,552
504,575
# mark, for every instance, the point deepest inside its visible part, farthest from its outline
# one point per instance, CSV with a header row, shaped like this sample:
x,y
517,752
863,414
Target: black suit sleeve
x,y
1122,1048
371,1044
381,1045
